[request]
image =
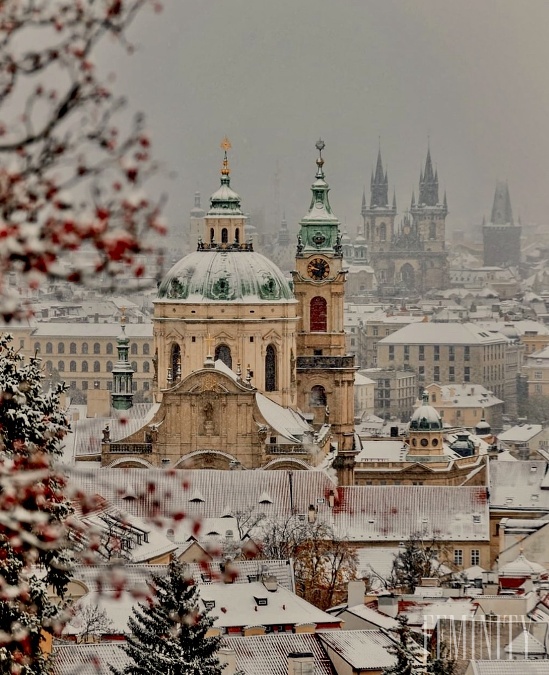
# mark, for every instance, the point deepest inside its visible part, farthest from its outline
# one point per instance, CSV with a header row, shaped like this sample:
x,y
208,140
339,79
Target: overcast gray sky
x,y
274,76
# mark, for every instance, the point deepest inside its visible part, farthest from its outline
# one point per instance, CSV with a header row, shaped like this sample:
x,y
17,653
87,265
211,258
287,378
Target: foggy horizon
x,y
274,77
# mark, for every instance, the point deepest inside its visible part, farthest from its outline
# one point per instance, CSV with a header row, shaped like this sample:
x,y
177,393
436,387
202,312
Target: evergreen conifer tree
x,y
405,650
168,635
33,509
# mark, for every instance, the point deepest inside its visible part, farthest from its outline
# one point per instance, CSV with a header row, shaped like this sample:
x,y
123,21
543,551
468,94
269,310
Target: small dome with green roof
x,y
425,418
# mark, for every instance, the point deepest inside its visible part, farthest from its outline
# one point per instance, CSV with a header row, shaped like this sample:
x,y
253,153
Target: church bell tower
x,y
325,373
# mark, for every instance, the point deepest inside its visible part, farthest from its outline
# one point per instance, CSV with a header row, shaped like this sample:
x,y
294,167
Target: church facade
x,y
250,371
410,257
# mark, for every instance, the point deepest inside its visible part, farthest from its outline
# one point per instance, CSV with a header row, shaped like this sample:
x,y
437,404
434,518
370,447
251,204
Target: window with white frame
x,y
458,556
475,556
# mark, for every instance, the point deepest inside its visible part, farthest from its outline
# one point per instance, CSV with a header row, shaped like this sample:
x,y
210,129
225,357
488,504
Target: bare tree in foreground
x,y
323,563
72,162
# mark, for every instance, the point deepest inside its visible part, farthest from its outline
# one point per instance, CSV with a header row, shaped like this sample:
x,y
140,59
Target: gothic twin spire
x,y
379,187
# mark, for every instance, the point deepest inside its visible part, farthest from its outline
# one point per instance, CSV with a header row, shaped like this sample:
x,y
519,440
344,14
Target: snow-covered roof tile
x,y
523,487
362,649
268,654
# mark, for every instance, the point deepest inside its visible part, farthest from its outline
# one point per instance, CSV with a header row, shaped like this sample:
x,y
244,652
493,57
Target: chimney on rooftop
x,y
355,593
301,663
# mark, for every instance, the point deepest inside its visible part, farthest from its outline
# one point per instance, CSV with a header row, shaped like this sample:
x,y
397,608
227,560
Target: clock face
x,y
318,269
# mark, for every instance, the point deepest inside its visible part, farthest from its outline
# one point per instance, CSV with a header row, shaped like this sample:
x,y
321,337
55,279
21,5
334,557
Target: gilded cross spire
x,y
225,145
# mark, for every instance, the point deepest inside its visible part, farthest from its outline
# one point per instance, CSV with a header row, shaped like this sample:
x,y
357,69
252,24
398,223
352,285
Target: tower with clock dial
x,y
325,372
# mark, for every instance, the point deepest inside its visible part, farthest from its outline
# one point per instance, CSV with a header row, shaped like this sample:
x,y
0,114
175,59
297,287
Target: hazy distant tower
x,y
501,237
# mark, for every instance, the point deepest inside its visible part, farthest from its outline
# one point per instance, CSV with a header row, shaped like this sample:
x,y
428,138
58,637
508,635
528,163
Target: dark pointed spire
x,y
379,185
379,177
283,234
413,204
364,207
428,173
394,200
445,202
502,213
428,184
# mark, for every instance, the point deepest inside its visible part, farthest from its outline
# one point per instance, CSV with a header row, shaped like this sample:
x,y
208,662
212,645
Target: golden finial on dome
x,y
225,145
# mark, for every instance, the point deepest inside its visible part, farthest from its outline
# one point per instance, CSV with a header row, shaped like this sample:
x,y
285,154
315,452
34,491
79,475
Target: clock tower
x,y
325,373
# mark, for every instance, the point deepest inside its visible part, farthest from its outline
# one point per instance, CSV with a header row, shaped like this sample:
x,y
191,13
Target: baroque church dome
x,y
225,268
225,276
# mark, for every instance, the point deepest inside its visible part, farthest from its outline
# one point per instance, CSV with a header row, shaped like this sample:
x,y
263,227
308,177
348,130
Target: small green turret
x,y
122,373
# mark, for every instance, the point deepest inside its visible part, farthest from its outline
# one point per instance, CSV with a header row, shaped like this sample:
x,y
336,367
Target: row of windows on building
x,y
95,348
85,385
451,354
451,374
95,367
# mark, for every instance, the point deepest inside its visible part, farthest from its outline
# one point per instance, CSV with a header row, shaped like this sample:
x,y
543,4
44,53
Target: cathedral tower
x,y
429,214
325,373
379,218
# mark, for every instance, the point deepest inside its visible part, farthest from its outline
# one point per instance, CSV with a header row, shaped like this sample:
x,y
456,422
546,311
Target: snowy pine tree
x,y
168,635
405,650
32,512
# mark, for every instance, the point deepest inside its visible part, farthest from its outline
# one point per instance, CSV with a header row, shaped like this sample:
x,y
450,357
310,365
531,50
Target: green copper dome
x,y
425,418
225,276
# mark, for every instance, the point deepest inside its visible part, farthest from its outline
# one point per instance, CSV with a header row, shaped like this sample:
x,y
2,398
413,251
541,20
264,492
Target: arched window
x,y
110,348
237,235
72,348
146,367
212,234
223,353
96,367
61,366
317,397
432,231
270,369
96,348
49,348
49,366
319,315
408,275
36,347
61,348
146,349
134,366
72,367
133,348
84,366
109,366
175,364
383,232
84,348
224,236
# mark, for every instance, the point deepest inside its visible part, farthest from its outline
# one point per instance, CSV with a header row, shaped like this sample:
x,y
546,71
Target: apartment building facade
x,y
447,353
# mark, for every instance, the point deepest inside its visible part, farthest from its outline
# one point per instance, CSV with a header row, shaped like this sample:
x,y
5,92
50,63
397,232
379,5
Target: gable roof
x,y
268,654
362,649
